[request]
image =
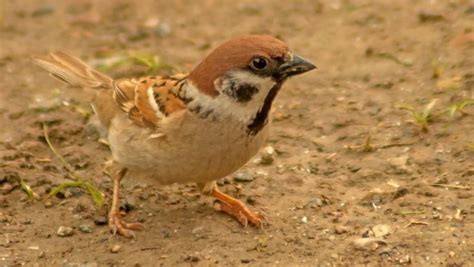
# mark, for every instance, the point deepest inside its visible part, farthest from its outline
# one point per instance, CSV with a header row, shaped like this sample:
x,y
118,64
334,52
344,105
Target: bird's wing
x,y
149,100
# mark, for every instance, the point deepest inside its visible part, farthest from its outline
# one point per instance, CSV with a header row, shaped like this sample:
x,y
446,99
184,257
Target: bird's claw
x,y
243,214
117,225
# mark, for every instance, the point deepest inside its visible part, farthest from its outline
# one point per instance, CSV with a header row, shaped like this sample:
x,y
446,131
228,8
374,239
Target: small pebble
x,y
85,228
100,220
128,205
192,258
115,248
48,204
251,200
368,243
243,177
64,231
314,203
304,219
339,229
198,230
79,207
381,230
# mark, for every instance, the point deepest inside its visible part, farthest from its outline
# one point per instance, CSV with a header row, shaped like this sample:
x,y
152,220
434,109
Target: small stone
x,y
85,228
7,188
198,230
79,207
47,204
331,238
304,219
41,254
405,260
267,156
354,168
243,177
65,231
381,230
100,220
162,30
340,229
458,216
368,243
314,203
144,196
192,258
313,168
451,254
73,192
115,248
173,200
128,205
266,159
251,200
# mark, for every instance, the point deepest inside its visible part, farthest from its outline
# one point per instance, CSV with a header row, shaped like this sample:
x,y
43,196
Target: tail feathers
x,y
73,71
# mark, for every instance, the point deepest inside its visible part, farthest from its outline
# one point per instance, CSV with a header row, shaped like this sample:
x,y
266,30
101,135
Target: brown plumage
x,y
188,128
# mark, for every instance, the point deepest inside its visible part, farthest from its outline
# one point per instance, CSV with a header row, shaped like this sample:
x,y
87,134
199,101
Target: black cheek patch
x,y
241,92
244,92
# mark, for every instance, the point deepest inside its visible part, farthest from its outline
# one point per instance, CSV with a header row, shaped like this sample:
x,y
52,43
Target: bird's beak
x,y
295,65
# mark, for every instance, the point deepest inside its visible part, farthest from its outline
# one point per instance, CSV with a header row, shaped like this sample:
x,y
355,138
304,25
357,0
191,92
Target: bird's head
x,y
242,72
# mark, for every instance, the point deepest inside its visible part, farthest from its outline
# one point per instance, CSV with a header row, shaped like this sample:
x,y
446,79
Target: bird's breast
x,y
186,148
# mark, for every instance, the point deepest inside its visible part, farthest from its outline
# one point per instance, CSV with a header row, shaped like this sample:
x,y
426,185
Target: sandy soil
x,y
352,182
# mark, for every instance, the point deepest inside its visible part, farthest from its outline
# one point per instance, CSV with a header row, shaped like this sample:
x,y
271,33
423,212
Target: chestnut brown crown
x,y
236,53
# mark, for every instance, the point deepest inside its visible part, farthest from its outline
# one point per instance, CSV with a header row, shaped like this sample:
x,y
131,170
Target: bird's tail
x,y
73,71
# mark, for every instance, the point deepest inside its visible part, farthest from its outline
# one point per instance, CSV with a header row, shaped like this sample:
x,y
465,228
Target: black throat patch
x,y
261,118
241,92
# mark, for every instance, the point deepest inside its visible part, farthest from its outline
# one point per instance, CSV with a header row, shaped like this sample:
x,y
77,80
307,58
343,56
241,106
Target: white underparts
x,y
227,106
153,104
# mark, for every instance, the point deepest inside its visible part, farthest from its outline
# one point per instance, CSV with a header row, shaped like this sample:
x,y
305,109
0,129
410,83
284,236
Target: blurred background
x,y
370,159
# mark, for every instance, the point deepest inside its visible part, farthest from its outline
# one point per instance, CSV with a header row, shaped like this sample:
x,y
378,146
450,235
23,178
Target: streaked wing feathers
x,y
148,100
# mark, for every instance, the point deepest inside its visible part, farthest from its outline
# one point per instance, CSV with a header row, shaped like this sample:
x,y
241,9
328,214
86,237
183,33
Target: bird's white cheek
x,y
240,105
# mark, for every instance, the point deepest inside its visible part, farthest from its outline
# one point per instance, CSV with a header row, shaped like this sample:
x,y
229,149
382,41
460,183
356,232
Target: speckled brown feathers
x,y
234,53
149,99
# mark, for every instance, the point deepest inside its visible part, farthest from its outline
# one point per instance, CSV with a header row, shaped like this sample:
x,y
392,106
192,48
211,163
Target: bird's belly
x,y
185,149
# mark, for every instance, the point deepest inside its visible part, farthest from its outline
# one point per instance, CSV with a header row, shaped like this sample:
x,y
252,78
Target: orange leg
x,y
116,224
237,209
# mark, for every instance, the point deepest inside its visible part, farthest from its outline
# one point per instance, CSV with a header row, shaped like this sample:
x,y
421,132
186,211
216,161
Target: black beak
x,y
294,66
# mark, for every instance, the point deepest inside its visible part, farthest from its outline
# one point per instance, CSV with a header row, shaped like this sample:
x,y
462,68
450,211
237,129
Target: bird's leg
x,y
116,224
235,207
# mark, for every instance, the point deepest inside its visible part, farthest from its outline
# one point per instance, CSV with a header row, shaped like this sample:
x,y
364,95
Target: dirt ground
x,y
353,180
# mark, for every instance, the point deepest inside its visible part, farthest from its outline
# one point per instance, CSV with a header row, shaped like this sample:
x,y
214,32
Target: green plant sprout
x,y
459,107
152,63
96,195
423,117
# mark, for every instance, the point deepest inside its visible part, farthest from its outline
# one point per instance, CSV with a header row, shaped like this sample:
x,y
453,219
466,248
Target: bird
x,y
194,127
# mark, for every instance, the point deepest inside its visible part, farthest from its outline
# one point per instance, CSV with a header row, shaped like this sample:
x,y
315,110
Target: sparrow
x,y
196,127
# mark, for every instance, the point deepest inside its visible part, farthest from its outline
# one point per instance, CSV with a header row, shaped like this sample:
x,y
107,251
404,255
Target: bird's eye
x,y
258,63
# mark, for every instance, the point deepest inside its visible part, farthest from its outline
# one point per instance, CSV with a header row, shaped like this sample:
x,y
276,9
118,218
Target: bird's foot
x,y
237,209
117,225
